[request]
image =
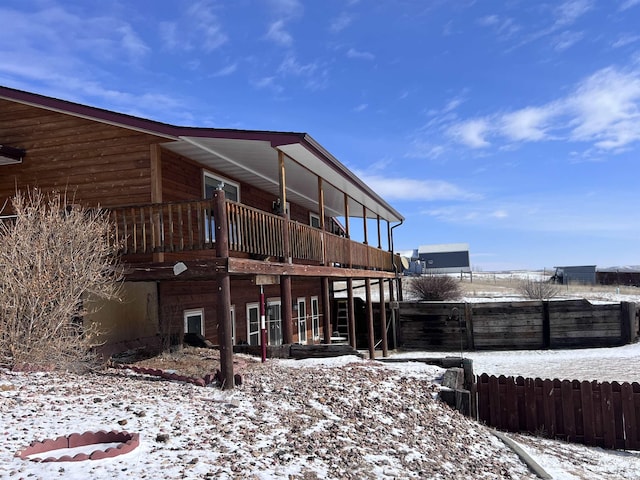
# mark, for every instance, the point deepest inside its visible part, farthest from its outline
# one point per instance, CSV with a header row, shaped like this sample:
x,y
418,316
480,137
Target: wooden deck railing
x,y
190,226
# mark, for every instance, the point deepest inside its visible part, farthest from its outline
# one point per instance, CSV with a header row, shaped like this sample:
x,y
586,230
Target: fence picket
x,y
629,412
588,420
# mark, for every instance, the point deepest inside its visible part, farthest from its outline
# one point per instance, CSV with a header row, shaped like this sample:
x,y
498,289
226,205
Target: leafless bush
x,y
537,289
55,261
435,287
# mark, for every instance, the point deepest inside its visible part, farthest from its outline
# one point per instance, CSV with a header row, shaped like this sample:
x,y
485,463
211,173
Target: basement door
x,y
253,323
274,322
302,320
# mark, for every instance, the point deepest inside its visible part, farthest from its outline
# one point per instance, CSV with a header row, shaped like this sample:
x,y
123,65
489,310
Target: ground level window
x,y
194,321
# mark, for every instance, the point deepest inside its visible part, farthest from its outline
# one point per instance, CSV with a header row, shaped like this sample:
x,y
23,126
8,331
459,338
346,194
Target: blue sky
x,y
511,125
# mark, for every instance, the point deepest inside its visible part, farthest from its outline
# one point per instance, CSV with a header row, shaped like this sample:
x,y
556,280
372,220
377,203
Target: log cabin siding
x,y
96,163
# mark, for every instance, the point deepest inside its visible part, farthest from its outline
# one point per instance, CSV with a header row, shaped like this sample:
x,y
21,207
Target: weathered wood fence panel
x,y
495,324
576,322
441,327
604,414
515,325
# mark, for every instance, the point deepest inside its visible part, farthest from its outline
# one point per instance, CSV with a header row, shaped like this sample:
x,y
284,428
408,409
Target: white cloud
x,y
341,22
625,39
198,27
489,20
471,132
628,4
566,40
228,70
361,107
278,34
602,110
396,188
559,213
132,42
315,74
422,149
569,11
201,14
527,124
268,83
504,27
286,8
353,53
606,109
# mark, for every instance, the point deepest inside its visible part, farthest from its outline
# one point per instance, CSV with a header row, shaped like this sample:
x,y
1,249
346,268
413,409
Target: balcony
x,y
189,228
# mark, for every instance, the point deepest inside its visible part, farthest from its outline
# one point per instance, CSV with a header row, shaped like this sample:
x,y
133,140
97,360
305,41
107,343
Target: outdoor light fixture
x,y
10,155
179,268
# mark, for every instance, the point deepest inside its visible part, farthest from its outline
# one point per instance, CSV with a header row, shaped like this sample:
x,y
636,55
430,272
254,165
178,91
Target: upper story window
x,y
211,183
314,220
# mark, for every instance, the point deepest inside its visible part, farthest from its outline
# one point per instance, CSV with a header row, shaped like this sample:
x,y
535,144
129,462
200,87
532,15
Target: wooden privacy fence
x,y
515,325
596,414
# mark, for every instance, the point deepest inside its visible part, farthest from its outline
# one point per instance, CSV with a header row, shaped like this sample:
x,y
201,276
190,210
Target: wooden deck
x,y
191,228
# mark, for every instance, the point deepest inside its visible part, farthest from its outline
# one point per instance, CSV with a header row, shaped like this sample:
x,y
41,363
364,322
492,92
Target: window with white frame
x,y
212,182
314,220
210,185
194,321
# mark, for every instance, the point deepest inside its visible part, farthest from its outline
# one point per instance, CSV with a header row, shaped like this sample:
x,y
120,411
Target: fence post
x,y
628,330
546,325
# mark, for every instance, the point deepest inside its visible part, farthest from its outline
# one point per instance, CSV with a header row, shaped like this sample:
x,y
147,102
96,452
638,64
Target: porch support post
x,y
351,313
322,219
347,226
364,219
393,315
383,319
287,310
155,167
379,232
326,311
224,293
372,340
285,280
283,205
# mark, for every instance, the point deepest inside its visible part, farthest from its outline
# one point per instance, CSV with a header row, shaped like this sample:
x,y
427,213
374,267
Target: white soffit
x,y
256,162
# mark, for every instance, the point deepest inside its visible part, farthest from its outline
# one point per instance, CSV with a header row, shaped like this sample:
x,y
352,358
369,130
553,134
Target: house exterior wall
x,y
176,297
94,163
134,316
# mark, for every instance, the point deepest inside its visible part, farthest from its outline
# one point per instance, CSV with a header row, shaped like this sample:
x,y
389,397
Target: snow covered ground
x,y
303,420
335,418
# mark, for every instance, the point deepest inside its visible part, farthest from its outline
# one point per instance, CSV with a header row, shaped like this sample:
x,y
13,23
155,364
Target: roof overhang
x,y
253,159
249,156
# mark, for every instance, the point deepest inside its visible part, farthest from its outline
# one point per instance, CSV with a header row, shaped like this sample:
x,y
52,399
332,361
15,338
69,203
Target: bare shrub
x,y
54,260
537,289
435,287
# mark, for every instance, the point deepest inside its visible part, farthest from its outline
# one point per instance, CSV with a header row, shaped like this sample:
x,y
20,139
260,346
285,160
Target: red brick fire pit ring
x,y
128,442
